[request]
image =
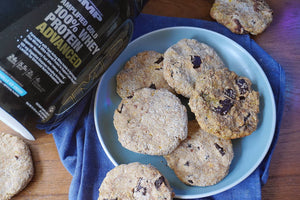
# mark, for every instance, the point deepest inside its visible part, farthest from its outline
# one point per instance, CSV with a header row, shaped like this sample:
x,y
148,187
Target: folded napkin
x,y
80,150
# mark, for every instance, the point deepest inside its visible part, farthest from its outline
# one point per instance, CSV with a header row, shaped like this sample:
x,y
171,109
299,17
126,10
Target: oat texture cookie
x,y
143,70
151,121
242,16
185,60
202,159
225,104
16,166
135,181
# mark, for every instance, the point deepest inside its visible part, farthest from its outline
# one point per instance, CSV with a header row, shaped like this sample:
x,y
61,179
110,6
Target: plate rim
x,y
269,88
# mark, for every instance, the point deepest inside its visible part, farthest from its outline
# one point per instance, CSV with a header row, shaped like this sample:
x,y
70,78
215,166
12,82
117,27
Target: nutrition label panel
x,y
46,59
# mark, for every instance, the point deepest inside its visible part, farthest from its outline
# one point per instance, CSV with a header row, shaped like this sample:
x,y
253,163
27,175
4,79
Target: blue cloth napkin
x,y
80,150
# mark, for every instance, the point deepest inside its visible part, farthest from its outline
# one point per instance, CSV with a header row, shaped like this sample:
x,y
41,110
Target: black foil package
x,y
53,52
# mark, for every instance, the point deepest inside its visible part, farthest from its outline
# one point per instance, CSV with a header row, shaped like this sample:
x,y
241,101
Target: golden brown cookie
x,y
151,121
145,70
16,166
225,104
202,159
185,60
135,181
242,16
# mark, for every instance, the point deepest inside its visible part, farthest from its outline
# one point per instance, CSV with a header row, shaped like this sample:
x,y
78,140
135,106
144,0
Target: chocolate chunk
x,y
140,188
206,157
172,73
129,97
158,68
159,60
226,106
225,102
246,118
242,98
220,149
187,163
120,111
253,21
152,86
239,28
196,60
189,145
17,157
243,86
139,183
144,191
257,6
159,181
230,93
190,181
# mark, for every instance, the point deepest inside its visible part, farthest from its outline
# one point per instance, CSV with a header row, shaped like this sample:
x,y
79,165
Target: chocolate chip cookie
x,y
202,159
135,181
141,71
152,121
225,104
185,60
242,16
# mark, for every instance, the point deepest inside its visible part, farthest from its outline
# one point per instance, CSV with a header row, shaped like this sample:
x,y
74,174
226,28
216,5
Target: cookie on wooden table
x,y
202,159
225,104
185,60
242,16
16,166
135,181
151,121
143,70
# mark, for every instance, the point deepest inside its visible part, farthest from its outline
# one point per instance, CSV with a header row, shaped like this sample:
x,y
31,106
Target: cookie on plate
x,y
135,181
151,121
225,104
202,159
242,16
185,60
143,70
16,168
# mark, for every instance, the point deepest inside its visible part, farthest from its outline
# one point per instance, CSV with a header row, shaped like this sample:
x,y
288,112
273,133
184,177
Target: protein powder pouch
x,y
53,52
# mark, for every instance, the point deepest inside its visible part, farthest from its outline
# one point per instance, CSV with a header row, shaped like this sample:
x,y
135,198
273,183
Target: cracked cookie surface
x,y
225,104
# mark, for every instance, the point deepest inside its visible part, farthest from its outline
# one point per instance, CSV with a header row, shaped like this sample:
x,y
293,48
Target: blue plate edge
x,y
268,88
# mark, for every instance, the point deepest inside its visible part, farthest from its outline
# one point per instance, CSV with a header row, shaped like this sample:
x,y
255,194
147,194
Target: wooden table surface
x,y
281,40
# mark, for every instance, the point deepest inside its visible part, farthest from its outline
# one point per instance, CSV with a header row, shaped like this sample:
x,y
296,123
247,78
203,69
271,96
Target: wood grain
x,y
281,40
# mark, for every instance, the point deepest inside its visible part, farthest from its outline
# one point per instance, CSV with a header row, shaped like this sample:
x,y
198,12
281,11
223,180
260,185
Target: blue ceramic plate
x,y
249,151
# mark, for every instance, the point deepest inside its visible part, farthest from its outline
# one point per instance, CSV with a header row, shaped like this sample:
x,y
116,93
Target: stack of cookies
x,y
151,118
